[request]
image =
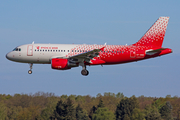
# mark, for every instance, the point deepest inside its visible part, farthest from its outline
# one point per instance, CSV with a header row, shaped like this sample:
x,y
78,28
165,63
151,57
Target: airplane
x,y
67,56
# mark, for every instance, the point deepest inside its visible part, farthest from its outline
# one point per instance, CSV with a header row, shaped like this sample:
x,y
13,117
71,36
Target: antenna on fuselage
x,y
33,42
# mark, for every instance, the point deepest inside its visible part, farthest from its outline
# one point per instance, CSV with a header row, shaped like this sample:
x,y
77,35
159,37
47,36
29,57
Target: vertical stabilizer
x,y
155,35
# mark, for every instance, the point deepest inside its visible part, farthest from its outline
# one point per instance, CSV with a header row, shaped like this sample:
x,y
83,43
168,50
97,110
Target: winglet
x,y
102,49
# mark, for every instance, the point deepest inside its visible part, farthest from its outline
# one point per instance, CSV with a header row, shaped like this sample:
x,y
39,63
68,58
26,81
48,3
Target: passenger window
x,y
72,50
43,50
68,50
46,50
19,49
61,50
40,50
53,50
75,50
35,50
64,50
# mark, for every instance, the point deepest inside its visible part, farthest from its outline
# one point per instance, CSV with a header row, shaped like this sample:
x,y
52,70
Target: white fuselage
x,y
43,53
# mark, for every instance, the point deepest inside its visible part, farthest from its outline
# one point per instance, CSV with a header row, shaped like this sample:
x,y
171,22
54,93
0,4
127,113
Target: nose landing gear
x,y
30,71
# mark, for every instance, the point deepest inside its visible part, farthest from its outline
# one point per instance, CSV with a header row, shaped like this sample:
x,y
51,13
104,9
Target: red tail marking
x,y
155,35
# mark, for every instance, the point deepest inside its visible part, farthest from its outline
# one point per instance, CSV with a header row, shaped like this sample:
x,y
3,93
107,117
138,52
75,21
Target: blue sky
x,y
91,22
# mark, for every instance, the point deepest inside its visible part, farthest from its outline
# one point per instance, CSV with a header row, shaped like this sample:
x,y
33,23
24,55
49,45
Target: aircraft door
x,y
29,50
132,54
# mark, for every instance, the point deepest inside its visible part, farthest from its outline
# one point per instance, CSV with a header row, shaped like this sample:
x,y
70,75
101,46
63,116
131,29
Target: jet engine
x,y
62,64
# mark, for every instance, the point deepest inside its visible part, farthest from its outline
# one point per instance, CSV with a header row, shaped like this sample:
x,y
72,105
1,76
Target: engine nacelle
x,y
62,64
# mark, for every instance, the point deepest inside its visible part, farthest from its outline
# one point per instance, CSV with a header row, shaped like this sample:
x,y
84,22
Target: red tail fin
x,y
155,35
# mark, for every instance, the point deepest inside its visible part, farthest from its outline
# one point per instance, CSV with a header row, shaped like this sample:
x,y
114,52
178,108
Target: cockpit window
x,y
17,49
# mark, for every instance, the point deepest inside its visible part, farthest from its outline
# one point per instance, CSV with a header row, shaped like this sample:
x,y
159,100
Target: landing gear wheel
x,y
30,65
30,71
84,72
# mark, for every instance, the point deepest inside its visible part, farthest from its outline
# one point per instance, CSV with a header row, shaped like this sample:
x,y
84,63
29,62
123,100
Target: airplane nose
x,y
7,56
11,56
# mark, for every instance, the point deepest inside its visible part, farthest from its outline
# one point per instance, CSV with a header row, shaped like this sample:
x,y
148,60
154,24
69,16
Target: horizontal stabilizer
x,y
152,52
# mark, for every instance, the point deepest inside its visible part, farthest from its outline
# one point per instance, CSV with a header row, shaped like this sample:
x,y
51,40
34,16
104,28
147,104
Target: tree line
x,y
109,106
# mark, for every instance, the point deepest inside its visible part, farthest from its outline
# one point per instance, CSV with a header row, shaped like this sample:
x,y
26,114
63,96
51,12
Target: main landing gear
x,y
84,71
30,71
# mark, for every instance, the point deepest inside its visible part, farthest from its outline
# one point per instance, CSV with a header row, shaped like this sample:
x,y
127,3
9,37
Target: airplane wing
x,y
87,56
152,52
